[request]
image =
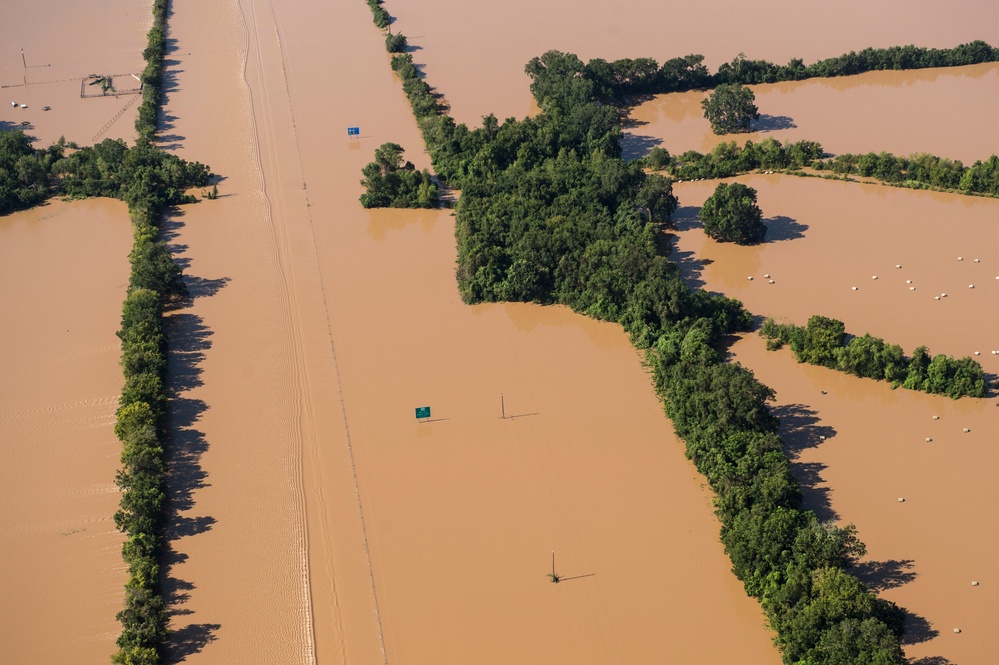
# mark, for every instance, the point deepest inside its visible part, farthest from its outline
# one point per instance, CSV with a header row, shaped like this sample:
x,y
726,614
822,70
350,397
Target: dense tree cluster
x,y
731,107
396,43
390,183
731,214
823,341
24,171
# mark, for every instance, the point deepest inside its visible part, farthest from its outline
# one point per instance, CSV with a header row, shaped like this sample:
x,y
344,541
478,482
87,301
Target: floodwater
x,y
946,112
923,553
475,52
64,41
63,579
317,519
825,238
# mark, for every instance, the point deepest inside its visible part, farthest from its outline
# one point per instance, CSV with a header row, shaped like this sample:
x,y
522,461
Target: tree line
x,y
823,341
619,79
550,213
24,171
917,171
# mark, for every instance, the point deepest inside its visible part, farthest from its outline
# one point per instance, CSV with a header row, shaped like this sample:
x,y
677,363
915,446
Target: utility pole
x,y
23,61
502,407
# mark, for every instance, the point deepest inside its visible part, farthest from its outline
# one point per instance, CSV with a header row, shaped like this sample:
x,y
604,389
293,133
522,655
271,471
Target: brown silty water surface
x,y
63,42
475,52
946,112
64,271
824,239
317,519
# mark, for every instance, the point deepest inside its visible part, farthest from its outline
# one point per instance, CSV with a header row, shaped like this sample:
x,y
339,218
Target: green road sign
x,y
423,412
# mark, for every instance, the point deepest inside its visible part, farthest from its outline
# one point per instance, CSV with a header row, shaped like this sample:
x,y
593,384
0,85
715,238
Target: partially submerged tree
x,y
730,108
731,215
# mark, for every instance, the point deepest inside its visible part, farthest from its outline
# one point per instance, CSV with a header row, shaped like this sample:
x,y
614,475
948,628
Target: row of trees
x,y
148,180
920,171
728,159
550,213
823,341
619,79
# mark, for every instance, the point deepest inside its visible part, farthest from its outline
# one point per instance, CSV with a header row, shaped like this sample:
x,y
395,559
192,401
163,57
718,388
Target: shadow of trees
x,y
781,228
773,123
188,339
800,431
635,146
883,575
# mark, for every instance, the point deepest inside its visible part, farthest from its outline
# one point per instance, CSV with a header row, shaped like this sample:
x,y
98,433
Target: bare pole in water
x,y
502,407
553,565
23,61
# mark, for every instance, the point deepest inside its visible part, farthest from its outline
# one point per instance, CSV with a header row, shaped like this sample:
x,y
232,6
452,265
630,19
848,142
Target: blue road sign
x,y
353,131
423,412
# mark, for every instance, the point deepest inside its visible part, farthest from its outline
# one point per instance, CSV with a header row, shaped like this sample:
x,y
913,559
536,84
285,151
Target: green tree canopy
x,y
731,215
730,108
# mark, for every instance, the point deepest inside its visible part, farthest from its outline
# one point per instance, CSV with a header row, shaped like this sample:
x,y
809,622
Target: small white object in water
x,y
966,430
908,281
960,258
771,281
936,417
874,276
971,286
957,630
855,288
943,295
750,278
974,584
912,288
928,440
901,499
936,297
24,106
978,353
978,261
898,265
767,276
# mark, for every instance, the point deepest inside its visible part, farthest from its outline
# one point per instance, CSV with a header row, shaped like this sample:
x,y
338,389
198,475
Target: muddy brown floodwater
x,y
64,271
317,519
946,112
824,239
63,42
475,52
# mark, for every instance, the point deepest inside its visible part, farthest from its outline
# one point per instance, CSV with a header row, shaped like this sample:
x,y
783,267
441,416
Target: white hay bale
x,y
928,440
908,281
957,630
974,584
960,258
936,417
855,288
772,282
899,265
874,276
912,288
966,430
767,276
978,353
936,297
750,278
901,499
978,261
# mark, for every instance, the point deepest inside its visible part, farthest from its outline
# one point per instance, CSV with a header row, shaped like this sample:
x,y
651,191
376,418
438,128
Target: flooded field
x,y
475,52
924,553
63,578
825,238
317,327
64,42
945,112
